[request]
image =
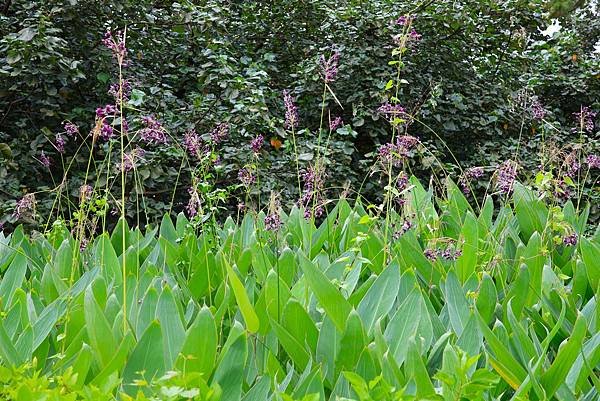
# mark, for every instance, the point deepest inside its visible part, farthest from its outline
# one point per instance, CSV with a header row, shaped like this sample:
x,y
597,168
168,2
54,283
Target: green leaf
x,y
173,332
147,359
199,350
335,305
379,299
98,329
252,322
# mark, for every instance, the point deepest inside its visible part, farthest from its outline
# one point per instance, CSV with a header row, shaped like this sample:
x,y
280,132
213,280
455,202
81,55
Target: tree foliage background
x,y
195,64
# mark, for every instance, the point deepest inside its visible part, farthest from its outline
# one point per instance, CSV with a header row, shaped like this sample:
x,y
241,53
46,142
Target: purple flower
x,y
24,205
336,123
194,203
219,133
60,143
572,165
45,160
310,199
430,254
570,240
70,128
537,110
469,175
106,131
585,118
109,109
506,175
403,20
414,35
257,143
115,43
130,159
246,177
330,66
291,111
593,161
396,153
389,109
153,132
272,222
194,144
120,91
406,225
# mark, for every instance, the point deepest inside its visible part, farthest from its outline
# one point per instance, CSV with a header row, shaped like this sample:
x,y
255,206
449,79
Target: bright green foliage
x,y
308,313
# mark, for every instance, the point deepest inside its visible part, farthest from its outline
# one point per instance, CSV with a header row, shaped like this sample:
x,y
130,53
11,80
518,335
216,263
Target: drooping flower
x,y
194,204
273,220
194,144
45,160
246,176
336,123
24,205
401,185
130,159
406,225
219,133
153,132
395,153
593,161
108,110
572,165
310,199
106,131
391,110
430,254
122,91
585,119
291,111
60,143
70,128
469,175
506,175
85,192
329,66
257,143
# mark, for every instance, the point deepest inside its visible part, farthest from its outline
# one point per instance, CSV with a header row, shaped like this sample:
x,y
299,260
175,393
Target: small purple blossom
x,y
329,66
256,144
336,123
585,119
246,177
389,109
291,111
194,203
537,110
219,133
70,128
506,175
406,225
45,160
119,92
109,109
396,152
570,240
273,222
153,132
60,143
131,158
106,131
593,161
24,205
414,35
403,20
116,43
85,192
194,144
430,254
469,175
572,165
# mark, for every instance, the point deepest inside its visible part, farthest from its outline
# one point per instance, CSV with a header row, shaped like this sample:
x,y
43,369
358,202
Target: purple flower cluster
x,y
572,165
311,195
108,110
469,175
404,20
414,35
391,110
401,185
116,43
246,177
336,123
291,111
130,159
562,190
396,152
273,222
106,131
219,133
60,143
45,160
570,240
448,253
585,118
194,203
24,205
593,161
70,128
194,144
537,110
330,66
257,143
153,132
506,175
119,92
406,225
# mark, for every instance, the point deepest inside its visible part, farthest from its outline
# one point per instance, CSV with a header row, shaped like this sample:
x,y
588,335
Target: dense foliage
x,y
458,305
471,77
